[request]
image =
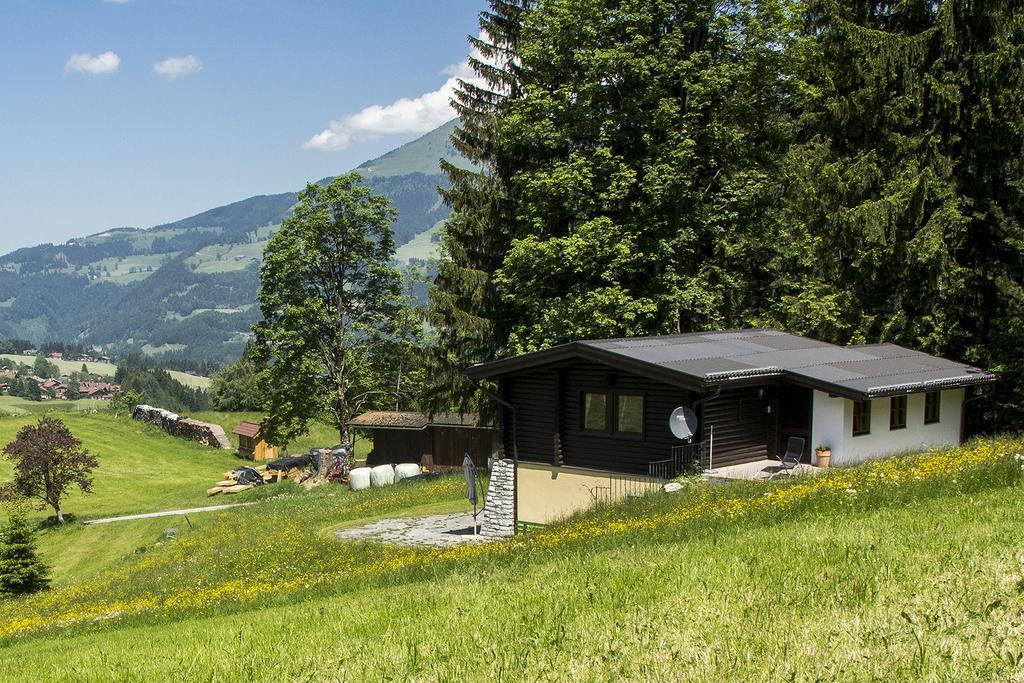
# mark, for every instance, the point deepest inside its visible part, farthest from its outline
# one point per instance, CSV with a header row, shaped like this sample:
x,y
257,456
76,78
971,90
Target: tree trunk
x,y
60,515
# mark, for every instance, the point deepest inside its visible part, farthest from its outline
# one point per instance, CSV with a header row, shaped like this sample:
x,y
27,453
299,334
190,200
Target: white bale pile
x,y
359,478
382,475
406,470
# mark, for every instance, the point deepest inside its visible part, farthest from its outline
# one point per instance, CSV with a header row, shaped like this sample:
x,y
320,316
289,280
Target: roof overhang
x,y
577,351
564,353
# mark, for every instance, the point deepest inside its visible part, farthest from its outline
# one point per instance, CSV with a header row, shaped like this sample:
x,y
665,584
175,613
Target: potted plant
x,y
823,455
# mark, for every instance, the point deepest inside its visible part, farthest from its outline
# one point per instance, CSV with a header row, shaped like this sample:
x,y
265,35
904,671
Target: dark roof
x,y
702,359
383,419
247,429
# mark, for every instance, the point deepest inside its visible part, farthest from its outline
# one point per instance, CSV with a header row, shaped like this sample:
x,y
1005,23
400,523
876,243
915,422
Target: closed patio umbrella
x,y
470,472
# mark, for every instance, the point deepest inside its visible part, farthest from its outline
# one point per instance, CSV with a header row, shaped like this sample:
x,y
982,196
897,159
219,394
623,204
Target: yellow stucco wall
x,y
546,493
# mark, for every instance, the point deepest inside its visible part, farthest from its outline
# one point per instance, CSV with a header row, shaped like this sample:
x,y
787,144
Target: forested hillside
x,y
846,170
186,290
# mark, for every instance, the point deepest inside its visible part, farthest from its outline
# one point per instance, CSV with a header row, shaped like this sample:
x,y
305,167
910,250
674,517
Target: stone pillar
x,y
499,506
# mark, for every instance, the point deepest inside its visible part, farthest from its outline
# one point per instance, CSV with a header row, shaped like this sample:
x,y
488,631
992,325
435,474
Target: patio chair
x,y
790,461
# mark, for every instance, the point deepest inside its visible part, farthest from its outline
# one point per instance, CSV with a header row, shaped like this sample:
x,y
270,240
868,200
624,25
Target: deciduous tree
x,y
234,387
48,460
125,401
330,298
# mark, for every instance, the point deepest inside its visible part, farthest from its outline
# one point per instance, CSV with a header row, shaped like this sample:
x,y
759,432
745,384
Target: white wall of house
x,y
832,424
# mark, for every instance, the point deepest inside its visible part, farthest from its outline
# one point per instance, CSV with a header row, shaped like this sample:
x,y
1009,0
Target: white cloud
x,y
459,70
103,63
176,67
406,115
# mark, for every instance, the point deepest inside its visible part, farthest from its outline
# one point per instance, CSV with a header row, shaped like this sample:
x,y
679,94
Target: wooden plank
x,y
238,488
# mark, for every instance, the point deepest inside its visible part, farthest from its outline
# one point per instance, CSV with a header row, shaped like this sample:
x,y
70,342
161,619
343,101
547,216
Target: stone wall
x,y
499,506
182,427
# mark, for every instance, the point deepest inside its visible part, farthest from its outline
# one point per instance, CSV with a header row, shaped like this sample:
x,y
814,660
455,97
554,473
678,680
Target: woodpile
x,y
230,482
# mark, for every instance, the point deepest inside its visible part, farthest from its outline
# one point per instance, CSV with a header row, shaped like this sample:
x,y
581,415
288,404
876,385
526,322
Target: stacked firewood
x,y
231,483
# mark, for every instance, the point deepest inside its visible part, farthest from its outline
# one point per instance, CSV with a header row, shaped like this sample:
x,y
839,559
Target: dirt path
x,y
166,513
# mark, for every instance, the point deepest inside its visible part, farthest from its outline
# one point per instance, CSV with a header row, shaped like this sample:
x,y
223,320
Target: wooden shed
x,y
251,444
443,439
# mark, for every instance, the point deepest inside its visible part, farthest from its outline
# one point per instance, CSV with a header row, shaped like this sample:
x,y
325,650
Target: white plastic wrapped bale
x,y
406,470
359,478
382,475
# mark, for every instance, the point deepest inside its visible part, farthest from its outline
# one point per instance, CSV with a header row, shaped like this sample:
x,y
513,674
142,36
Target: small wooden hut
x,y
443,439
251,444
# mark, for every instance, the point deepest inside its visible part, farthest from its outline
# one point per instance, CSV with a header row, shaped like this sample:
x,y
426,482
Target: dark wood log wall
x,y
745,424
533,395
549,412
398,445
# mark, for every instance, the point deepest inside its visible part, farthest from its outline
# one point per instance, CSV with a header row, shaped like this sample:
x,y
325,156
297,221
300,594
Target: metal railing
x,y
685,459
622,486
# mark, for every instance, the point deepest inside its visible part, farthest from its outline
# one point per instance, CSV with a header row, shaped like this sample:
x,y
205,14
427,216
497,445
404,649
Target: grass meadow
x,y
107,370
141,470
16,406
319,436
903,569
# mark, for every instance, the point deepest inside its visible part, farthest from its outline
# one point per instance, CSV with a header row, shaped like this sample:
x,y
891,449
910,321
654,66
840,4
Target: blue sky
x,y
138,112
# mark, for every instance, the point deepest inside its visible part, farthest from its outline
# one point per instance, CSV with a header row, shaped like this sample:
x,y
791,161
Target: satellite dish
x,y
683,423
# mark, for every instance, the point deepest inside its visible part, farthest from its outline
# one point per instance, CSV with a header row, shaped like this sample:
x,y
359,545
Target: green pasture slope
x,y
16,405
141,470
108,369
906,570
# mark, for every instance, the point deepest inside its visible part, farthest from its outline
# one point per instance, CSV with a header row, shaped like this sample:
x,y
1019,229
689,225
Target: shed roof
x,y
247,429
384,419
701,359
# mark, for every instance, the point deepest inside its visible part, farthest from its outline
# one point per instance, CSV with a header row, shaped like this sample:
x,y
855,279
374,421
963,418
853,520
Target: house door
x,y
795,408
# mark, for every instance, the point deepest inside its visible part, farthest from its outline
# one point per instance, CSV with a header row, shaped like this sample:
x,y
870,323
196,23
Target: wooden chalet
x,y
584,417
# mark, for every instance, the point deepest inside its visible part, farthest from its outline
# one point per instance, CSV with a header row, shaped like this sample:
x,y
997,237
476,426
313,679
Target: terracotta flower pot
x,y
824,457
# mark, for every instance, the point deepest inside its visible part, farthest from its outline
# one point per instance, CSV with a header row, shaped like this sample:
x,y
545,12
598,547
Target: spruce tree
x,y
464,306
21,570
904,208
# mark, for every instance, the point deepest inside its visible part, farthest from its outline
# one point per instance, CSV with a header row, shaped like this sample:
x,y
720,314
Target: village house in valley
x,y
585,414
98,391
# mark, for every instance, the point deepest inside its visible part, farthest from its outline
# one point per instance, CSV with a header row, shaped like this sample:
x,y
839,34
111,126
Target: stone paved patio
x,y
428,530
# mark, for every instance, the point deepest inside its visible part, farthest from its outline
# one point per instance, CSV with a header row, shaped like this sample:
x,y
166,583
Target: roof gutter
x,y
933,384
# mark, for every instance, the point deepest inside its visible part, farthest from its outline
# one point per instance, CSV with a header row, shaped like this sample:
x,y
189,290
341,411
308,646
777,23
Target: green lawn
x,y
141,470
908,569
888,595
16,405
